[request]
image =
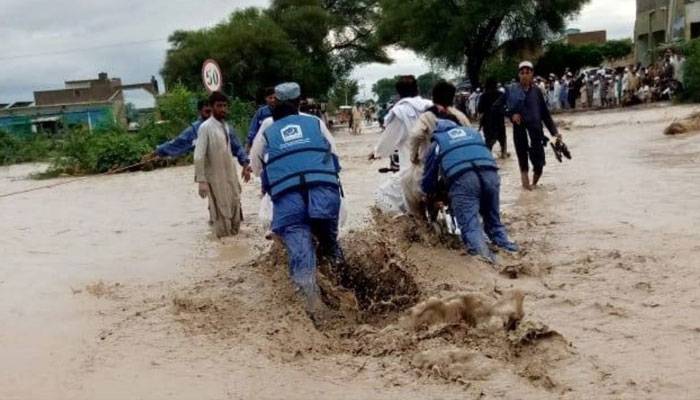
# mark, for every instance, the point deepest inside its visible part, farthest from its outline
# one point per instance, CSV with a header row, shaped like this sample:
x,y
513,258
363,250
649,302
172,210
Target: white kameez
x,y
215,165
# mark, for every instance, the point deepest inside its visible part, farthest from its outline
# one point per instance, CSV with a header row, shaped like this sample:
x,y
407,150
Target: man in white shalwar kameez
x,y
398,123
215,169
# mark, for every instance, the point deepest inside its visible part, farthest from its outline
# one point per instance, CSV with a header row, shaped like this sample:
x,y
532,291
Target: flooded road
x,y
97,279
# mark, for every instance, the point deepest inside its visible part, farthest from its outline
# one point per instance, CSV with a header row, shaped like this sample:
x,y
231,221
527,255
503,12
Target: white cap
x,y
525,64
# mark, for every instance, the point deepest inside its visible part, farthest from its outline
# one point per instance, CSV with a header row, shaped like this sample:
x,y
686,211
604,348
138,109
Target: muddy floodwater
x,y
112,287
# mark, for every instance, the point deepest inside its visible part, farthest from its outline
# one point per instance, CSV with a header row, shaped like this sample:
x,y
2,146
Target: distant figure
x,y
493,117
357,119
215,171
383,111
261,114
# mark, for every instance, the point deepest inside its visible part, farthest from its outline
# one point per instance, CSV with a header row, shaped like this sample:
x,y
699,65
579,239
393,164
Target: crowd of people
x,y
596,88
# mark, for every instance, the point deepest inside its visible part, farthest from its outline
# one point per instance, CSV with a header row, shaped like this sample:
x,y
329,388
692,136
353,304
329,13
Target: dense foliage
x,y
691,71
18,149
312,42
459,33
426,83
385,89
560,56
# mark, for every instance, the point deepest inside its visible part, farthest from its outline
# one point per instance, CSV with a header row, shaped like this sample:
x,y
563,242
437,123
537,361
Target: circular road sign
x,y
211,76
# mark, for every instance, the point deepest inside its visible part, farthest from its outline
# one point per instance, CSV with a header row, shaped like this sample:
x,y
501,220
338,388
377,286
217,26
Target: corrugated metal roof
x,y
18,104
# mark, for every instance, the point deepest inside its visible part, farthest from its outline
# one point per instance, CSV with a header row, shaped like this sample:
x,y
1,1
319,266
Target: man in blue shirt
x,y
459,160
185,142
261,114
527,109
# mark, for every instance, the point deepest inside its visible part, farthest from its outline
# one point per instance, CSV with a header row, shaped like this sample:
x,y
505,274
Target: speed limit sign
x,y
211,76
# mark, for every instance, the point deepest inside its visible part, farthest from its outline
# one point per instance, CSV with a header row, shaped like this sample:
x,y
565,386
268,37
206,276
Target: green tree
x,y
385,89
313,42
560,56
691,71
616,49
467,33
426,83
344,92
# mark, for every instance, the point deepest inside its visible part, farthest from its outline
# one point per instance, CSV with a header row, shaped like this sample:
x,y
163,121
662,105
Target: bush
x,y
16,149
80,152
118,150
178,105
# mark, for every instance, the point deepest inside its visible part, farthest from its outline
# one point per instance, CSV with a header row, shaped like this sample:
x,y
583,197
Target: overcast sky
x,y
39,39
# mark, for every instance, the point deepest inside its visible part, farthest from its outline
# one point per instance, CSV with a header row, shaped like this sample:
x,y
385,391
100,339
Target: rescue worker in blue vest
x,y
261,114
184,143
296,158
460,158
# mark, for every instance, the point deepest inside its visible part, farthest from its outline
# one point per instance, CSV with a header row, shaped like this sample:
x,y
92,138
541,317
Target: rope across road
x,y
53,185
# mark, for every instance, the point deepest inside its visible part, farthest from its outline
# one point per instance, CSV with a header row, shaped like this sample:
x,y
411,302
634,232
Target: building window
x,y
694,30
76,93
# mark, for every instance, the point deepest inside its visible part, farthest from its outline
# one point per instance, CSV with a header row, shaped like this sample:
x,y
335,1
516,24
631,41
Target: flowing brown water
x,y
99,280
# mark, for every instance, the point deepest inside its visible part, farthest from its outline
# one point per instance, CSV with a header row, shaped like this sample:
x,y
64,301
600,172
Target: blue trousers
x,y
301,250
478,193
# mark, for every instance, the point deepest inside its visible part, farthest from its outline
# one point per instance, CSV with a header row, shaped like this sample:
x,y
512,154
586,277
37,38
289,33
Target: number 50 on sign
x,y
211,76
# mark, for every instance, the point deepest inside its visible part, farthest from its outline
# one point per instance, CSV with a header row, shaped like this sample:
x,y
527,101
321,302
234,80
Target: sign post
x,y
211,76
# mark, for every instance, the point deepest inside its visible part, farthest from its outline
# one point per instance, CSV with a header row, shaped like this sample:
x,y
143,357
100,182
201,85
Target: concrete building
x,y
90,102
581,38
664,21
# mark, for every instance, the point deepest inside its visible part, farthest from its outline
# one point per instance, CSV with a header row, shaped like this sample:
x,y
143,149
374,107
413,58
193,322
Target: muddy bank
x,y
390,321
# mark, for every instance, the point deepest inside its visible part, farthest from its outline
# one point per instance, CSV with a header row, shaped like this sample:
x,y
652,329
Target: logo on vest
x,y
457,133
291,133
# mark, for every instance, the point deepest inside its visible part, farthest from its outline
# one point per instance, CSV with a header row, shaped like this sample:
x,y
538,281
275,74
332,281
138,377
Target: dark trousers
x,y
495,132
572,98
532,148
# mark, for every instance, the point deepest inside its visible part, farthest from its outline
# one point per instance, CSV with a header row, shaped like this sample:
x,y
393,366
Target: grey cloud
x,y
37,27
40,26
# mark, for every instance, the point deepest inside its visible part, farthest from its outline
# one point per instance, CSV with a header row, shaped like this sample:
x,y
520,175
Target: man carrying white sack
x,y
398,123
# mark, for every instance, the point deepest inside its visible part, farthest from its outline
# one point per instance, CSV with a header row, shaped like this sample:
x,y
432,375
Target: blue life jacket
x,y
297,155
460,150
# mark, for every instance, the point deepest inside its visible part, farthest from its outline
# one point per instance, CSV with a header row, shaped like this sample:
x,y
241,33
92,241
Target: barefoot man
x,y
215,170
527,110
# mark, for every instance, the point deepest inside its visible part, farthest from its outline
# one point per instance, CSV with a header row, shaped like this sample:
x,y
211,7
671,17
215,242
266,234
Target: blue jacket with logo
x,y
298,155
455,150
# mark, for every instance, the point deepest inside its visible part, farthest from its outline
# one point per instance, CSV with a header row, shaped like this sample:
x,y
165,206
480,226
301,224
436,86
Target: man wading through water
x,y
215,170
527,109
296,158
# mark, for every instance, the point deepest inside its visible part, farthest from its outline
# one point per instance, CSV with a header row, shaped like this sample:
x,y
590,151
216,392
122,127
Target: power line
x,y
80,49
